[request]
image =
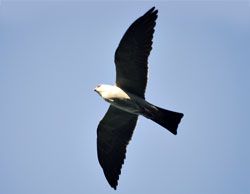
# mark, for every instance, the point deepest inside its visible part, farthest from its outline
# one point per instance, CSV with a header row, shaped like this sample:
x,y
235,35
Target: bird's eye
x,y
98,85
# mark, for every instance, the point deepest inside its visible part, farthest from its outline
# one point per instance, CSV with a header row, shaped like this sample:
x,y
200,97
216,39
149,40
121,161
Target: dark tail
x,y
166,118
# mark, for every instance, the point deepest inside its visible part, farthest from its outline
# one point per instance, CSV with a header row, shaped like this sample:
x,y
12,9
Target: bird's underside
x,y
116,128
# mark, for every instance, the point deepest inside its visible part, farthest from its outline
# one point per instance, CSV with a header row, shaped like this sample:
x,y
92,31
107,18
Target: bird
x,y
127,98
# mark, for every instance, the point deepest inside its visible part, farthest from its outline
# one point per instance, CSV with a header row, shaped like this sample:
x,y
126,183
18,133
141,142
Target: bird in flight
x,y
127,98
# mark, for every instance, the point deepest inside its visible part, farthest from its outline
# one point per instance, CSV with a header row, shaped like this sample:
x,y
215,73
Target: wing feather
x,y
113,135
131,56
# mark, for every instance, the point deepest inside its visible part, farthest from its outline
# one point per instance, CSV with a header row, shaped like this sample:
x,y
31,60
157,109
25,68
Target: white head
x,y
103,90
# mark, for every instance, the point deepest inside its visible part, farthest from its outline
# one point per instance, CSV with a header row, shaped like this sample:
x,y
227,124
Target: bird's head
x,y
103,90
98,89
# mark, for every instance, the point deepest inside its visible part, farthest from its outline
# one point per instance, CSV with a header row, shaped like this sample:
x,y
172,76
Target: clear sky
x,y
53,54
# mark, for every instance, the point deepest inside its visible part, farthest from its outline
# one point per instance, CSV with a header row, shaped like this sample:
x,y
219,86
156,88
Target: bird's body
x,y
122,100
127,98
136,105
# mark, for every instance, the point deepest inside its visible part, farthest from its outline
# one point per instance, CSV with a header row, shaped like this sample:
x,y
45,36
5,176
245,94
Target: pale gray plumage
x,y
127,98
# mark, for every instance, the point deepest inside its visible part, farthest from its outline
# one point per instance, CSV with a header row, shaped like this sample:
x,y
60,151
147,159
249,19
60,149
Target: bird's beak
x,y
95,90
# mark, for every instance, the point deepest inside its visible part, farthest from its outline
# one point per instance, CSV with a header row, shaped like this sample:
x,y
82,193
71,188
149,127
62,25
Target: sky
x,y
53,54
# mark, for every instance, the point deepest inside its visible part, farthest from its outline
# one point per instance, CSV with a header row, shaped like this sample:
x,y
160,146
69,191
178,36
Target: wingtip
x,y
151,13
112,180
152,10
114,185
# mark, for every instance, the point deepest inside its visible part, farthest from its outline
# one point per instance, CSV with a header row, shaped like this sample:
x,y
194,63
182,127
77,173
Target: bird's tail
x,y
166,118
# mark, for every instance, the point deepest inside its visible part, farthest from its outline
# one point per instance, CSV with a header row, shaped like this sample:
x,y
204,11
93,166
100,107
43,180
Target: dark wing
x,y
131,56
113,134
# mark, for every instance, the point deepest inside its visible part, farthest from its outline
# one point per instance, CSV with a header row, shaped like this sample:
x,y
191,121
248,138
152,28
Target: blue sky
x,y
52,55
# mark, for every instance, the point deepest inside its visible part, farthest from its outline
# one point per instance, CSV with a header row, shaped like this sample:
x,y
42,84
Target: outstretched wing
x,y
113,134
131,56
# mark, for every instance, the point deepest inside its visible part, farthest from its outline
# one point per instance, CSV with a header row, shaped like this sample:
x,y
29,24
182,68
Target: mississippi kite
x,y
126,98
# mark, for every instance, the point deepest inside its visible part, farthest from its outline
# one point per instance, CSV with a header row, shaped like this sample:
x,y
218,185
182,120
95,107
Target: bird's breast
x,y
127,105
121,99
